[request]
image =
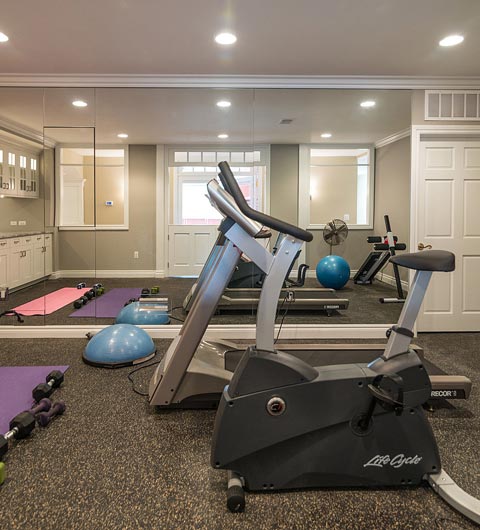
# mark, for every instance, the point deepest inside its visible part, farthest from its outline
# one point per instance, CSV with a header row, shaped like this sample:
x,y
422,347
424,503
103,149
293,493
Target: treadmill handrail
x,y
226,205
231,185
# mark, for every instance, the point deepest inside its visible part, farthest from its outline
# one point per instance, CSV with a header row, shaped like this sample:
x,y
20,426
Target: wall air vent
x,y
452,105
286,121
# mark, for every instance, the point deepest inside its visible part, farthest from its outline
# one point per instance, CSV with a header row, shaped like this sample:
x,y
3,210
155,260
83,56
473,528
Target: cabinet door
x,y
13,266
38,261
26,261
3,269
38,256
48,257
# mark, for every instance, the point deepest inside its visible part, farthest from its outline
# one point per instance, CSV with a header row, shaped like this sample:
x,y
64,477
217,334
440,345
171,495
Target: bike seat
x,y
427,260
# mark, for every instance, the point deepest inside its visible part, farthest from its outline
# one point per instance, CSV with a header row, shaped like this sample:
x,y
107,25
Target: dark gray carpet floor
x,y
364,307
111,462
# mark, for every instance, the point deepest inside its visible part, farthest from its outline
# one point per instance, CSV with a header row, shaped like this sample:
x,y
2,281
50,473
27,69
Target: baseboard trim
x,y
311,273
390,280
105,273
289,331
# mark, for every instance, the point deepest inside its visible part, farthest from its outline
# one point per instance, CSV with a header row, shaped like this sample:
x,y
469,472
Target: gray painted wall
x,y
392,192
392,196
113,250
284,182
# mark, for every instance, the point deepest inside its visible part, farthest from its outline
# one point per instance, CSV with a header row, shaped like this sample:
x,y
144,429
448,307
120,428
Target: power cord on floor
x,y
13,313
129,377
283,316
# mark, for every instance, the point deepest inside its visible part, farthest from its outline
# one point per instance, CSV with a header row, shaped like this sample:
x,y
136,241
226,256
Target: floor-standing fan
x,y
335,232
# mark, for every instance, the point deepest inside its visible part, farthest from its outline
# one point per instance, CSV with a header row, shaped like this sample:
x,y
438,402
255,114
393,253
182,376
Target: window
x,y
336,182
23,173
11,171
190,171
33,174
93,190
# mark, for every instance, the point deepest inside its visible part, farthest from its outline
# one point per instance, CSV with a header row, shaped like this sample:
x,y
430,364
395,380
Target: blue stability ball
x,y
333,272
119,345
142,316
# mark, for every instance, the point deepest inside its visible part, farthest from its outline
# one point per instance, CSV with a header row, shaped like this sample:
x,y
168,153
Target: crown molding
x,y
20,131
393,138
238,81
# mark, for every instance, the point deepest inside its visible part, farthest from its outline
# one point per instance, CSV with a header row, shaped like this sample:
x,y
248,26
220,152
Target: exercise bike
x,y
283,424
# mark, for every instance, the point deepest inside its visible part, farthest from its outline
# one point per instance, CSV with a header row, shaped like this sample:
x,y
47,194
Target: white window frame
x,y
58,187
304,185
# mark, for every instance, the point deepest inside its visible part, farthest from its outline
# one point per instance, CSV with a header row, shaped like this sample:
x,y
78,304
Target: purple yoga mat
x,y
16,385
109,304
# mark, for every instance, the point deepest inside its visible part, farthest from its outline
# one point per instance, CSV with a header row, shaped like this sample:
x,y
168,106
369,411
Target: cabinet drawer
x,y
16,242
27,241
48,238
38,240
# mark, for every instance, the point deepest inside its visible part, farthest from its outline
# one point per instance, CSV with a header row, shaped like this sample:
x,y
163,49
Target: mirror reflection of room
x,y
111,183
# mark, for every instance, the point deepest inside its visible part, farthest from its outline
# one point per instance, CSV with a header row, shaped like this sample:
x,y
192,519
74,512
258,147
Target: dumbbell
x,y
91,294
130,302
23,424
99,289
53,380
81,301
2,473
155,289
81,285
57,409
145,292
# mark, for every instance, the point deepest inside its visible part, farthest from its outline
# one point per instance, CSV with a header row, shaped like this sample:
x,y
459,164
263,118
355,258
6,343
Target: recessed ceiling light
x,y
326,135
122,135
222,136
367,104
224,104
3,37
225,38
451,40
79,103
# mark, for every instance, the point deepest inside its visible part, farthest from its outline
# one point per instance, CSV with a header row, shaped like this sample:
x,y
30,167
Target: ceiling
x,y
189,116
275,37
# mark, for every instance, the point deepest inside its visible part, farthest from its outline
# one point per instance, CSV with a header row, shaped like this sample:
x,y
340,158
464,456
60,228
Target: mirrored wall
x,y
108,186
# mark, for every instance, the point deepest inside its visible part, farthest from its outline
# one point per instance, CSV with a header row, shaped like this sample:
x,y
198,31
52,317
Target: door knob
x,y
421,246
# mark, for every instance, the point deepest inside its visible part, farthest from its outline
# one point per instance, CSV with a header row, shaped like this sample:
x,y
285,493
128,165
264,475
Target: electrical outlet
x,y
135,254
13,223
22,223
346,217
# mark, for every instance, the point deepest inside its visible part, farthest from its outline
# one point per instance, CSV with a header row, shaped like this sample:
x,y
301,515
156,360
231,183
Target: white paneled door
x,y
448,218
189,247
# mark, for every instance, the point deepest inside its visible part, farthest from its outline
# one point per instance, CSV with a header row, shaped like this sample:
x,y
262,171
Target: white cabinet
x,y
48,252
19,170
39,255
3,263
28,258
14,256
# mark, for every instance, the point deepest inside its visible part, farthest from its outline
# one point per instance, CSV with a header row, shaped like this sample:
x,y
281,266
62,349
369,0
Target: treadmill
x,y
291,296
193,373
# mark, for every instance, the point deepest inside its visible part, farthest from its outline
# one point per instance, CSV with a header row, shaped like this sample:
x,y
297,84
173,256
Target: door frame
x,y
418,131
163,195
433,132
